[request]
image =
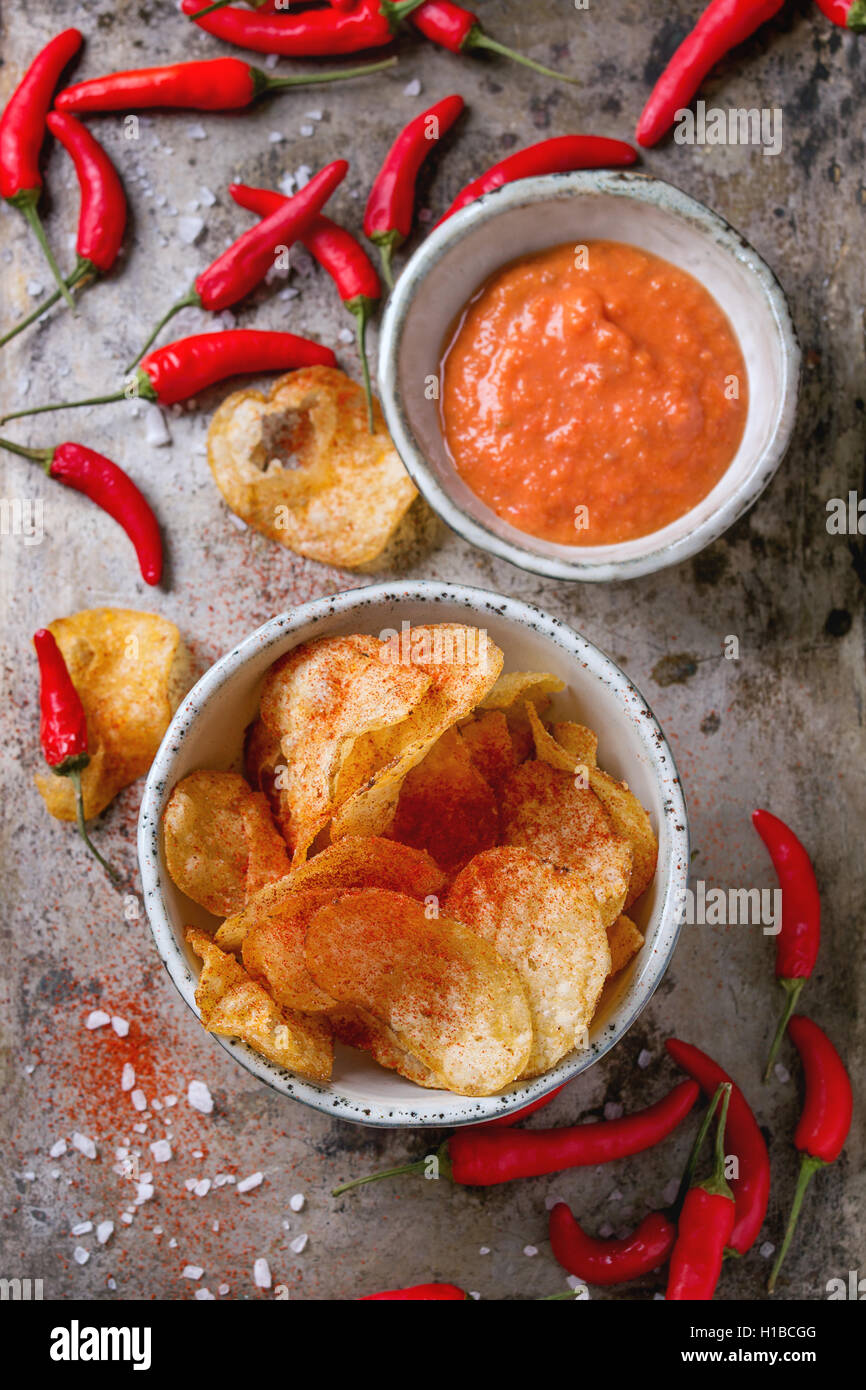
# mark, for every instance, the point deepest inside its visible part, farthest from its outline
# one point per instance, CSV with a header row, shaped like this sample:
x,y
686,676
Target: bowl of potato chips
x,y
413,853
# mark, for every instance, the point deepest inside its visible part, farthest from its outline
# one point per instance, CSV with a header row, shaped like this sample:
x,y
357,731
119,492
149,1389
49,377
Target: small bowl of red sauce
x,y
591,375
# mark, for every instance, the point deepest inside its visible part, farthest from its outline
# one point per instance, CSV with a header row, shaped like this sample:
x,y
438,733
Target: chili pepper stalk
x,y
800,935
460,31
80,275
63,729
245,263
705,1225
825,1120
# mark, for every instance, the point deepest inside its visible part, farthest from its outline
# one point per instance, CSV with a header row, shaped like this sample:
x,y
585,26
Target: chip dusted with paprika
x,y
547,923
234,1006
446,807
358,1028
130,670
490,746
625,939
301,466
447,995
221,844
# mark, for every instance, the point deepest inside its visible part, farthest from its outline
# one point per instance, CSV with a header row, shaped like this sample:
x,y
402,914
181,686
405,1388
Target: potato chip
x,y
272,926
545,810
515,688
357,1028
547,923
301,466
630,820
490,747
624,940
462,664
234,1006
546,746
263,760
577,740
221,845
446,994
130,670
320,697
446,807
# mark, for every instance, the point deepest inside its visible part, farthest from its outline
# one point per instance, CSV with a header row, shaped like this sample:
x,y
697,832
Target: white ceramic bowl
x,y
207,731
532,215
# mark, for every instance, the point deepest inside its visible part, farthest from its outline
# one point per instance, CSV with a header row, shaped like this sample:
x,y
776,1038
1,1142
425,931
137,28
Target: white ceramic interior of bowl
x,y
207,732
533,215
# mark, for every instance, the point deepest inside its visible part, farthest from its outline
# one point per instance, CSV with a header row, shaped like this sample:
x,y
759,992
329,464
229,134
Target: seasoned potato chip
x,y
360,1029
547,923
221,845
446,807
321,697
577,740
515,688
490,747
233,1005
447,995
625,940
543,809
462,664
272,926
546,746
630,820
263,757
130,671
301,466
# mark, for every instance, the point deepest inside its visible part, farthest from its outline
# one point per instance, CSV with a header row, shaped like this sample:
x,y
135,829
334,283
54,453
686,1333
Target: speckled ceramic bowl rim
x,y
455,1110
644,188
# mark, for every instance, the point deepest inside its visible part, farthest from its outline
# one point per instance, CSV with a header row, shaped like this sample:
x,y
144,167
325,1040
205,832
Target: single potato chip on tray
x,y
301,466
221,845
547,923
446,807
545,810
447,995
130,670
234,1006
318,700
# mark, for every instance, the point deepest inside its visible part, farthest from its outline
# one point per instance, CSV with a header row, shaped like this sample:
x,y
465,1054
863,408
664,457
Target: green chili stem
x,y
476,38
75,778
28,208
189,299
792,990
808,1166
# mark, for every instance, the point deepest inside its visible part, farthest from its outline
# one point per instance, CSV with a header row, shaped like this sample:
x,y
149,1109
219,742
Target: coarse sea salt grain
x,y
766,1250
262,1274
223,1289
644,1058
199,1097
276,137
192,1272
247,1184
104,1231
97,1019
80,1255
297,1201
120,1025
139,1099
207,197
413,88
204,1296
126,1218
57,1149
196,132
127,1077
484,1250
82,1228
84,1145
161,1150
299,1244
155,429
189,229
170,1100
530,1250
201,1189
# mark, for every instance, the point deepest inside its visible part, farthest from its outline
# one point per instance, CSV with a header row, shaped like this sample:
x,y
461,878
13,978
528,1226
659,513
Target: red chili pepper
x,y
308,34
460,31
557,156
22,131
705,1228
751,1188
102,216
418,1293
505,1121
825,1119
342,256
245,263
723,25
481,1155
848,14
181,369
609,1262
391,204
800,936
111,489
63,727
211,84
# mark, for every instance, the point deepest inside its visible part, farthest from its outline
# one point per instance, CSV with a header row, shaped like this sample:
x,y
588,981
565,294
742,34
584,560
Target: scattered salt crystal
x,y
57,1149
189,229
189,1183
156,1104
766,1250
289,293
276,137
104,1231
299,1244
287,185
644,1058
223,1289
201,1189
196,132
172,1244
484,1250
140,1129
473,1293
306,131
669,1193
139,1099
126,1218
303,174
112,1282
172,1100
120,1026
161,1150
127,1077
35,288
297,1201
271,60
144,1192
262,1274
346,335
658,1298
613,1110
615,1196
530,1250
192,1272
197,1153
313,115
80,1255
97,1019
207,197
155,429
29,1176
204,1296
413,88
199,1097
782,1073
84,1145
82,1228
247,1184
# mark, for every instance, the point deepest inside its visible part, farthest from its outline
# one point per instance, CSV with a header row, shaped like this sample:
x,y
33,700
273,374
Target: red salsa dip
x,y
592,394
